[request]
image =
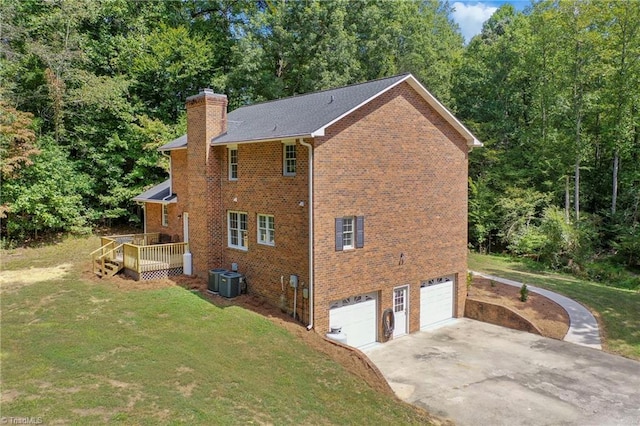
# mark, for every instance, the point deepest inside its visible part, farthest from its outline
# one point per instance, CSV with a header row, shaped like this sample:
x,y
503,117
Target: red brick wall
x,y
394,161
206,118
401,166
262,189
153,217
153,211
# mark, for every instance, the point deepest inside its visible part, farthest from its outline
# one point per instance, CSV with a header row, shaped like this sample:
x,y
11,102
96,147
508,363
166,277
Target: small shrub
x,y
469,280
524,293
493,283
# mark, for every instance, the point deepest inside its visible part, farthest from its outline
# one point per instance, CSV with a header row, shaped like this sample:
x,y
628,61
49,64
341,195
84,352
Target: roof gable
x,y
309,115
300,116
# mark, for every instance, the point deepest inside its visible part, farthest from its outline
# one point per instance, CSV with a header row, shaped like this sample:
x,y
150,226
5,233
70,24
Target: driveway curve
x,y
481,374
583,327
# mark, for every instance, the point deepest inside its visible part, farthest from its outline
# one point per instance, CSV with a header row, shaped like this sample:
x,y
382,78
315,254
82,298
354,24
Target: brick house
x,y
360,192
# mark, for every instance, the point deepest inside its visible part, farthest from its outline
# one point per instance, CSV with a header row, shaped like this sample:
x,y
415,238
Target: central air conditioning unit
x,y
230,284
213,285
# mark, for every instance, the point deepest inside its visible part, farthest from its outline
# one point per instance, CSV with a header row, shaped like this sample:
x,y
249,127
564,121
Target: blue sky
x,y
470,15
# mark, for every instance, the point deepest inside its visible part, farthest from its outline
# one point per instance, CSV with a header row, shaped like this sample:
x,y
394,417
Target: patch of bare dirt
x,y
14,280
548,316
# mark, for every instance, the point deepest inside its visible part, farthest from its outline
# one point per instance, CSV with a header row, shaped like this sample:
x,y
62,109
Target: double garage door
x,y
436,301
357,317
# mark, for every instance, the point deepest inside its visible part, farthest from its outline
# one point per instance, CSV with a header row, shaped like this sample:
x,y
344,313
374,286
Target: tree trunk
x,y
567,199
576,189
614,186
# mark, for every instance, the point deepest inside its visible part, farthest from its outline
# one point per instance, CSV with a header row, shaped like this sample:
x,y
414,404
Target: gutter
x,y
310,184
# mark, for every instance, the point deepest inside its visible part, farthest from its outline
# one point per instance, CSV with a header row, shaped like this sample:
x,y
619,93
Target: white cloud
x,y
471,17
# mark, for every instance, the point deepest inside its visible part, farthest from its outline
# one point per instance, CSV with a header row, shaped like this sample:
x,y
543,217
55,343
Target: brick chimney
x,y
206,119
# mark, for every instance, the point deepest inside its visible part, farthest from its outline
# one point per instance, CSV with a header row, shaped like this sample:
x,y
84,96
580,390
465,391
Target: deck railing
x,y
135,239
141,252
145,258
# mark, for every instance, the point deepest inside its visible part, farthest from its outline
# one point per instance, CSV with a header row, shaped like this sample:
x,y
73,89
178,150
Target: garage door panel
x,y
358,321
436,302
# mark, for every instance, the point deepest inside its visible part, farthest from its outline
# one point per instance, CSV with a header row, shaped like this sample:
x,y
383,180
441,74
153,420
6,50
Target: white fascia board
x,y
279,138
472,141
172,149
143,200
320,131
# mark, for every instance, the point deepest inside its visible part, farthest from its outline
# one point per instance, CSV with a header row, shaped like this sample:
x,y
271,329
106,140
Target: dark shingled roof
x,y
300,115
157,194
178,143
310,114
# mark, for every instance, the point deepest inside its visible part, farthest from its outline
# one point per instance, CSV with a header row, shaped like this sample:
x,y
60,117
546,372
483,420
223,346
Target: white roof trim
x,y
171,201
279,138
472,141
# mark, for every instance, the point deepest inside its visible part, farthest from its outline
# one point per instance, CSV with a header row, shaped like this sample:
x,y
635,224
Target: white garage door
x,y
357,317
436,301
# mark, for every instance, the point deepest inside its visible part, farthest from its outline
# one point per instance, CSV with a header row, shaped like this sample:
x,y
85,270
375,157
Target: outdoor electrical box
x,y
293,281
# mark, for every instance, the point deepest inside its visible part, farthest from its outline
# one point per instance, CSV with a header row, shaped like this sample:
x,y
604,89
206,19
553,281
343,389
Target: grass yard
x,y
618,309
76,351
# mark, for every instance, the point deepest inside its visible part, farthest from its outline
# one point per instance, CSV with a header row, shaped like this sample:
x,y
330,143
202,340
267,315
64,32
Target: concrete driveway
x,y
481,374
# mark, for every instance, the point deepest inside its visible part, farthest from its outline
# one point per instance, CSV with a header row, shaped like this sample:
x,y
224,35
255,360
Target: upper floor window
x,y
266,230
237,230
233,163
165,215
349,232
289,160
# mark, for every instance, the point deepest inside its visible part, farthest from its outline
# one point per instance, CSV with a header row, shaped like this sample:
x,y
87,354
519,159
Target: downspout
x,y
310,184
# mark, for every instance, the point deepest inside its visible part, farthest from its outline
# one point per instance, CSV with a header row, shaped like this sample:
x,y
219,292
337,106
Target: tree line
x,y
90,89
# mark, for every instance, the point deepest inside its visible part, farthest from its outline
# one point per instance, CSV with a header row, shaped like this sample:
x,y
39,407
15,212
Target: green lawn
x,y
75,351
619,309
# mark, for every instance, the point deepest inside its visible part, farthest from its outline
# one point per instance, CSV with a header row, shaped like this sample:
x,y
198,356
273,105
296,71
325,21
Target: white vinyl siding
x,y
266,230
237,230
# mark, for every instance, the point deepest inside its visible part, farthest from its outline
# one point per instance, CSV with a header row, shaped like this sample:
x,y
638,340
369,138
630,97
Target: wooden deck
x,y
141,256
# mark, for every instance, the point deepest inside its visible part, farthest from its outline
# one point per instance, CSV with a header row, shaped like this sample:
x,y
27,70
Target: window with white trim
x,y
266,230
349,232
233,163
165,215
237,230
289,160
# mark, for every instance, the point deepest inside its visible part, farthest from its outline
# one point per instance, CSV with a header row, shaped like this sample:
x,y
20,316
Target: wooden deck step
x,y
111,267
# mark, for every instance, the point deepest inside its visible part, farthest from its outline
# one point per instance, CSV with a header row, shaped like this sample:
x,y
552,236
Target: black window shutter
x,y
338,234
359,231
